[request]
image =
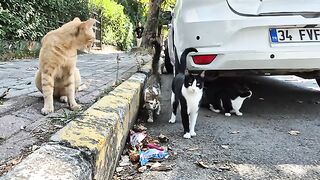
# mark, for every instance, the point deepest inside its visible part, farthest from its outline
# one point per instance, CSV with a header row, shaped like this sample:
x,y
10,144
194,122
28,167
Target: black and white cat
x,y
227,96
152,88
187,91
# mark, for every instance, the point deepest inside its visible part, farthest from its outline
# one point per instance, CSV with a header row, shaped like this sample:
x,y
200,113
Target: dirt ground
x,y
276,138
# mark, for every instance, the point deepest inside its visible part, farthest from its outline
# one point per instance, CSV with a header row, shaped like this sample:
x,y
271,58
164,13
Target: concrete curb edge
x,y
90,146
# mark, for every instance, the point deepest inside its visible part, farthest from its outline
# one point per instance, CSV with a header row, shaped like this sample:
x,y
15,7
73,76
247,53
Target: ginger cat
x,y
57,75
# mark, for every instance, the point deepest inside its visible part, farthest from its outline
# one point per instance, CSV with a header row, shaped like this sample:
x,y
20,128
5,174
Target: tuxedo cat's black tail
x,y
156,57
182,65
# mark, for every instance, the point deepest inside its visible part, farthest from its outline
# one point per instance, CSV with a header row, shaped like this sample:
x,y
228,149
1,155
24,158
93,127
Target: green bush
x,y
26,21
32,19
116,26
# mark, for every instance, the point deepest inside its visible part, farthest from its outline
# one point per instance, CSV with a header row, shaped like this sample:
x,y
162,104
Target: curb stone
x,y
90,146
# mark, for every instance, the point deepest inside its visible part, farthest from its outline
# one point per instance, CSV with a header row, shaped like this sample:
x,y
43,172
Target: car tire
x,y
167,62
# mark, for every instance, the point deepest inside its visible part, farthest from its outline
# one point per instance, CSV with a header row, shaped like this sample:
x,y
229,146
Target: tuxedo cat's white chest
x,y
192,98
237,103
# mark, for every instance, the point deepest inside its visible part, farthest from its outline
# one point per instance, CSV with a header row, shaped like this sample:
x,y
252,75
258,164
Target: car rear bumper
x,y
259,60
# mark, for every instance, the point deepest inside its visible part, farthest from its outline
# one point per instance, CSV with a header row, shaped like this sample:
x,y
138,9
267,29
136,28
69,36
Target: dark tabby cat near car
x,y
187,90
226,95
152,89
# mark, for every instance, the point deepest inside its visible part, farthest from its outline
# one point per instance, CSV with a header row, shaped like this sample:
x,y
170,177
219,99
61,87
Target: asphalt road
x,y
255,146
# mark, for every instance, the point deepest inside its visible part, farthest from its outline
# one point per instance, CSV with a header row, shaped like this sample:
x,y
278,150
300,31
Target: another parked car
x,y
256,37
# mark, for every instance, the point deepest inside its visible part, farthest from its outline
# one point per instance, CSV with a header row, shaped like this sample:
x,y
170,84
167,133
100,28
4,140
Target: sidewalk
x,y
22,128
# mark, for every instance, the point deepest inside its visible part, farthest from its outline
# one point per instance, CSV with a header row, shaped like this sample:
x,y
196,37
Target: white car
x,y
260,37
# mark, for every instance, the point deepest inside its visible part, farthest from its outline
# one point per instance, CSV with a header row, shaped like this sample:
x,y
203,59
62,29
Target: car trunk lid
x,y
309,9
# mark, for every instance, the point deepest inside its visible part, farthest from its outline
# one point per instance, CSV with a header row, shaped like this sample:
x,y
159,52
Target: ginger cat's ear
x,y
76,19
89,23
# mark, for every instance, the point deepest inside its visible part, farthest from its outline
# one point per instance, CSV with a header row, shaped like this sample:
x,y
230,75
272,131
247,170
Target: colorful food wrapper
x,y
136,138
145,156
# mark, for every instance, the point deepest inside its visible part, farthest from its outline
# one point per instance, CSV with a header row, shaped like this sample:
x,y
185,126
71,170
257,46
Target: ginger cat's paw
x,y
46,111
64,99
75,107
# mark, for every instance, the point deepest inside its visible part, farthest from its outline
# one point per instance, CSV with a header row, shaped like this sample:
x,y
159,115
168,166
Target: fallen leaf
x,y
5,93
225,168
163,139
34,147
156,164
125,161
119,169
225,146
139,128
294,132
142,169
202,164
161,168
133,156
234,132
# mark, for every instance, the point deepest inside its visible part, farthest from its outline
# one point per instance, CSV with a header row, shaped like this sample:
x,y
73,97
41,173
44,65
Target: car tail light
x,y
203,59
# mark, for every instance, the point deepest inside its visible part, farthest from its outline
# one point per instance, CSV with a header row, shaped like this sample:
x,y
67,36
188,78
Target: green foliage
x,y
116,26
25,21
32,19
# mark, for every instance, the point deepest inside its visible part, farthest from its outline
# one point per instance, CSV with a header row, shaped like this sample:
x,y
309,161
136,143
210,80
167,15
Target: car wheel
x,y
167,62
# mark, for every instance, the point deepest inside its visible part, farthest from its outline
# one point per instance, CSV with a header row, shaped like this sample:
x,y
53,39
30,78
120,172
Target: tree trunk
x,y
151,26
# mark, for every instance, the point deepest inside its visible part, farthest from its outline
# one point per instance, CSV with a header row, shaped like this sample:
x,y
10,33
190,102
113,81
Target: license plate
x,y
294,35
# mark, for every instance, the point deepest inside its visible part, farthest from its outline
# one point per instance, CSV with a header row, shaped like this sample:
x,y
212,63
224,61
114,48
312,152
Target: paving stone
x,y
64,163
32,112
13,146
10,125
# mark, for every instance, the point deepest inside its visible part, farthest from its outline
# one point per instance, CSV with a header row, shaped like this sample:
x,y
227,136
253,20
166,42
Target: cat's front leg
x,y
213,109
193,120
47,84
150,116
238,113
158,109
70,89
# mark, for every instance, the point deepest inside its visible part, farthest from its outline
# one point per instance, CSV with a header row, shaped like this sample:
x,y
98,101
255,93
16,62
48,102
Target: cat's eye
x,y
190,83
198,84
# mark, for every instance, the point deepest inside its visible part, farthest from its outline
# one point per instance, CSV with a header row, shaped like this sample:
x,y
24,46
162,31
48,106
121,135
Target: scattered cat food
x,y
294,132
163,139
300,102
225,146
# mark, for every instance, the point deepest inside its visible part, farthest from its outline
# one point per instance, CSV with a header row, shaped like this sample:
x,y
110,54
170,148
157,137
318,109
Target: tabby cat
x,y
57,75
152,88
